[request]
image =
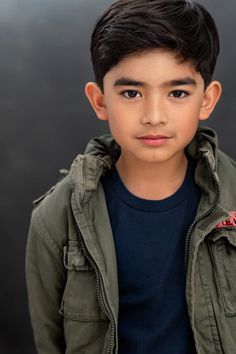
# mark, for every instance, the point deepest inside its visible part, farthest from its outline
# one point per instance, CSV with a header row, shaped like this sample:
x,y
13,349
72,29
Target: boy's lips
x,y
154,140
154,137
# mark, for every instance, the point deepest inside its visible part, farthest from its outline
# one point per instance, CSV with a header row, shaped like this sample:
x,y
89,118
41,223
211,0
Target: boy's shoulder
x,y
62,185
52,210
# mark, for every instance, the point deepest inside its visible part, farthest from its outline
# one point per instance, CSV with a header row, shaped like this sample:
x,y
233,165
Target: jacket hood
x,y
105,146
102,152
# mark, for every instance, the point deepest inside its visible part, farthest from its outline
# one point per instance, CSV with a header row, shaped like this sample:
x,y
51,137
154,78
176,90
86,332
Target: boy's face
x,y
153,103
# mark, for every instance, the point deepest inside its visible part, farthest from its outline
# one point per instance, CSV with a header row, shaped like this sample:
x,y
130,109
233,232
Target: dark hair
x,y
132,26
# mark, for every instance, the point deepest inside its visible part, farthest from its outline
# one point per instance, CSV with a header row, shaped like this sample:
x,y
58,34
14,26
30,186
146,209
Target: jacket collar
x,y
102,152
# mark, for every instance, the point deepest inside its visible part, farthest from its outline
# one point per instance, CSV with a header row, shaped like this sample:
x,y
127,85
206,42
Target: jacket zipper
x,y
100,299
207,213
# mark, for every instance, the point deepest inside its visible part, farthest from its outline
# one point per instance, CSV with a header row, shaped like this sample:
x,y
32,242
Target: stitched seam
x,y
46,234
210,309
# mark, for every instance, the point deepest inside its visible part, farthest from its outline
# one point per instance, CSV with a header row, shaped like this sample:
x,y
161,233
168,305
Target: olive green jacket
x,y
71,261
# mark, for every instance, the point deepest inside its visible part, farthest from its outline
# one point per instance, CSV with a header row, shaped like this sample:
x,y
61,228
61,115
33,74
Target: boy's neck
x,y
152,181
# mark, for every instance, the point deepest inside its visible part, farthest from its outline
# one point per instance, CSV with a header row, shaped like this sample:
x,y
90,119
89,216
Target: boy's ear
x,y
96,99
211,97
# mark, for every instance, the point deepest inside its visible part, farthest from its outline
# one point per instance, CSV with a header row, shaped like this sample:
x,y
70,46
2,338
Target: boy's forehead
x,y
156,67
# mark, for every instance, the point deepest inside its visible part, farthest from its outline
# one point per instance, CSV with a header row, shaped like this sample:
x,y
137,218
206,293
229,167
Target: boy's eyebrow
x,y
125,81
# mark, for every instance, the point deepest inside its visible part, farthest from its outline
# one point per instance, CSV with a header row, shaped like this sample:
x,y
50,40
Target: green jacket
x,y
71,261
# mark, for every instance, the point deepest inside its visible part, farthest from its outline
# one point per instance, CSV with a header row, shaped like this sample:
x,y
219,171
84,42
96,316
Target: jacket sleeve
x,y
45,279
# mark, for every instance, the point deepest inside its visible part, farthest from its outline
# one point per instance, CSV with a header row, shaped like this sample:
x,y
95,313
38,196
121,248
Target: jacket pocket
x,y
223,251
80,297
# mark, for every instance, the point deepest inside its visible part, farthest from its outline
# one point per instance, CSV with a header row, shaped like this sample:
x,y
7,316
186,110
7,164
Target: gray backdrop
x,y
46,121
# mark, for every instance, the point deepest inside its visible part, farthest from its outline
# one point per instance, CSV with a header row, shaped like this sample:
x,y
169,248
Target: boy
x,y
134,251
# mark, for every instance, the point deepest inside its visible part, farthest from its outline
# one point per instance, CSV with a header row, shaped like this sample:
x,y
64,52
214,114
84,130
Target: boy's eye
x,y
129,94
179,94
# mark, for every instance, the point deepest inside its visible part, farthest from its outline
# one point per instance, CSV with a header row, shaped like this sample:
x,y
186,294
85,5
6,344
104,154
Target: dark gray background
x,y
46,121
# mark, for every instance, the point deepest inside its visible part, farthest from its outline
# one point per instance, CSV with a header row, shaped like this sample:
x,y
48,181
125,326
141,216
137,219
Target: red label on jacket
x,y
231,221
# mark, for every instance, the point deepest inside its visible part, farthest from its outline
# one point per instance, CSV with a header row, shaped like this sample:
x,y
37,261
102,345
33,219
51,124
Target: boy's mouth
x,y
152,137
154,140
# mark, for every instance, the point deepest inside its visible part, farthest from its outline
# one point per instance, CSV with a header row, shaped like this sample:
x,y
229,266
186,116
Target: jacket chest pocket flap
x,y
79,302
223,250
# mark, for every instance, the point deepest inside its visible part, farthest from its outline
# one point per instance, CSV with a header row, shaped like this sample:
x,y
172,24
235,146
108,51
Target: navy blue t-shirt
x,y
149,238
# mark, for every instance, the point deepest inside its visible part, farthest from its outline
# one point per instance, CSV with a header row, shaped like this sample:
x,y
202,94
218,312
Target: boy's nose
x,y
155,113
